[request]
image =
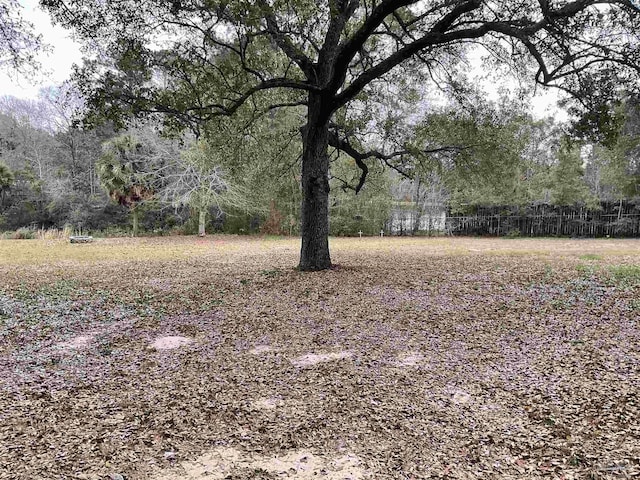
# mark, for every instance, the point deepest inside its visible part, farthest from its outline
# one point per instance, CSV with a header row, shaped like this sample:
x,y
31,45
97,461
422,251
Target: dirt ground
x,y
451,358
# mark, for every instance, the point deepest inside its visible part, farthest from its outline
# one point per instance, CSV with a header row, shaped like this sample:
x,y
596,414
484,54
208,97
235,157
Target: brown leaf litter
x,y
416,358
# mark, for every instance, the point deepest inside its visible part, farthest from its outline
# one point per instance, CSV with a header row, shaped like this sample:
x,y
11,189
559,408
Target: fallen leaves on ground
x,y
413,358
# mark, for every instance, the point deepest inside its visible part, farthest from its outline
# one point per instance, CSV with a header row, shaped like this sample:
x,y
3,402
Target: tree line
x,y
243,176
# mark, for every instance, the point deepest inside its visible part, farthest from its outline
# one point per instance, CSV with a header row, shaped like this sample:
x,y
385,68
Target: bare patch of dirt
x,y
460,397
225,463
409,359
267,403
162,284
260,349
76,343
170,342
311,359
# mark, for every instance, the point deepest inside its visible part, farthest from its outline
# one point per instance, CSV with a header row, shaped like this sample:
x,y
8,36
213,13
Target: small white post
x,y
382,233
360,233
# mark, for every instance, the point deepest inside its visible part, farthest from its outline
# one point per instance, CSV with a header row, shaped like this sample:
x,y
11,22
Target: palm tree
x,y
6,180
121,173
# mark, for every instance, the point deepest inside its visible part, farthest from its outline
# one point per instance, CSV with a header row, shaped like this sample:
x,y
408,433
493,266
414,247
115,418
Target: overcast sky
x,y
56,65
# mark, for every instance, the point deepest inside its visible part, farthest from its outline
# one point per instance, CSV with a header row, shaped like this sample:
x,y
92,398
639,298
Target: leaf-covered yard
x,y
183,358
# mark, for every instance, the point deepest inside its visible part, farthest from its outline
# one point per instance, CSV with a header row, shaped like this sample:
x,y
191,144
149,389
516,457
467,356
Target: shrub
x,y
112,231
24,234
273,225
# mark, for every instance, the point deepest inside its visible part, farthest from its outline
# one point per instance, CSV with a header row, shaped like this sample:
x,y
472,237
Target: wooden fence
x,y
612,220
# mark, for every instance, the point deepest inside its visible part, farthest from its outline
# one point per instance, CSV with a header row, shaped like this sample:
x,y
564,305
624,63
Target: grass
x,y
39,234
590,256
58,251
434,358
625,275
587,270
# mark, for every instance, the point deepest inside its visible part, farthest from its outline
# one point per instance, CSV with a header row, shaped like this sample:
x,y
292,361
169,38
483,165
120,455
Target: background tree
x,y
197,180
614,162
218,56
23,125
262,160
55,176
569,187
29,152
133,166
369,211
479,156
6,181
63,107
620,176
422,200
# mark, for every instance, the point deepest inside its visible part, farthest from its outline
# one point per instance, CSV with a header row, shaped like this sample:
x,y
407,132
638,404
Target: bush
x,y
112,231
24,234
345,226
241,223
21,213
274,223
624,227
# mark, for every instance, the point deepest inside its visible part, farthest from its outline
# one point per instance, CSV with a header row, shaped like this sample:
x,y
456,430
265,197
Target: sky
x,y
57,66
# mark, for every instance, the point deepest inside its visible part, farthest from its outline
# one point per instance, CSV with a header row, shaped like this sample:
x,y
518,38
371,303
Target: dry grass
x,y
413,358
56,250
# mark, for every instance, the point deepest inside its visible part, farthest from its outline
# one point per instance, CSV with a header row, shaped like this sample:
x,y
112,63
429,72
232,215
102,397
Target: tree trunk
x,y
135,214
314,254
418,209
202,217
620,210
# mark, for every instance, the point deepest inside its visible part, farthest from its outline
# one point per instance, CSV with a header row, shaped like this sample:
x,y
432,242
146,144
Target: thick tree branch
x,y
266,85
401,55
349,49
200,114
518,30
340,12
345,146
286,45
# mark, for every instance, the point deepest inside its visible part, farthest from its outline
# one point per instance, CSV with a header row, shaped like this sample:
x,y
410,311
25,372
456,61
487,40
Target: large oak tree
x,y
197,59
